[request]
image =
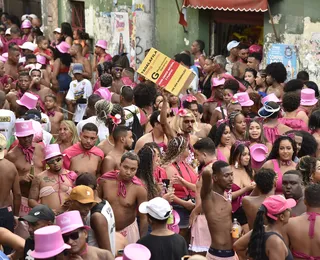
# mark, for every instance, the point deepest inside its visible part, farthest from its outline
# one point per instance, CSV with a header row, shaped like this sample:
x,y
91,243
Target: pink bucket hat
x,y
24,128
104,93
51,150
258,152
270,97
70,221
308,97
277,204
244,99
48,242
218,82
102,44
26,24
41,59
28,100
63,47
135,252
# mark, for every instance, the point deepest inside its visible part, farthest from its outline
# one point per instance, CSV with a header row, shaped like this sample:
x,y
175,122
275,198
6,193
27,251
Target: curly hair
x,y
293,85
216,133
307,166
176,147
144,95
277,71
145,170
314,120
290,101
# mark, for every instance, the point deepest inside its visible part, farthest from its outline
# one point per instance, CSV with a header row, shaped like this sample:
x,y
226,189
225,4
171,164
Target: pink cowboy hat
x,y
308,97
48,242
104,93
51,150
135,252
218,82
28,100
63,47
41,59
270,97
24,128
244,99
26,24
70,221
258,152
102,44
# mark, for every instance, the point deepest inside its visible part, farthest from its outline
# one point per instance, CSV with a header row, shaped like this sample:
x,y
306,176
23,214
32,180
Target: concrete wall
x,y
298,23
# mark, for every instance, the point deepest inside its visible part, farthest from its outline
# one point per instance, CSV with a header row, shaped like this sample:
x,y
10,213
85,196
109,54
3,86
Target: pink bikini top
x,y
236,203
220,156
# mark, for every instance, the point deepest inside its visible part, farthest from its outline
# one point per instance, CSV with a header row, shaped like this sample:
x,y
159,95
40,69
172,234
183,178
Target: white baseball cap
x,y
57,30
28,46
157,208
232,45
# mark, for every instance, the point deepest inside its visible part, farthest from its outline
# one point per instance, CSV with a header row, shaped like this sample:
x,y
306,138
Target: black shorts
x,y
240,215
7,221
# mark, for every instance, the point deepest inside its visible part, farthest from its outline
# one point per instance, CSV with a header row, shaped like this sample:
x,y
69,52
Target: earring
x,y
236,165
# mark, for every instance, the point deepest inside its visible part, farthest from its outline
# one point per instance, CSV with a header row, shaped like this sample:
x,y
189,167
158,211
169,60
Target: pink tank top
x,y
220,156
271,133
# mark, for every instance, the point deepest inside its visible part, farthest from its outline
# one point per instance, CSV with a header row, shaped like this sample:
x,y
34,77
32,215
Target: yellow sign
x,y
165,72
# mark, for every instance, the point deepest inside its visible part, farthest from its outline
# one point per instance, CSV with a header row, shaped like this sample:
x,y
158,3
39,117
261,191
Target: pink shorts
x,y
131,233
200,235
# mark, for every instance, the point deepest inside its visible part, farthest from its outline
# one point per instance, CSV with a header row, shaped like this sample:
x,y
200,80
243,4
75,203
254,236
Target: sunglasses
x,y
72,236
189,121
52,161
118,69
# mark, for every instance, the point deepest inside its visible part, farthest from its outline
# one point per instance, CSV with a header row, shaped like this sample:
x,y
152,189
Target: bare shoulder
x,y
268,164
8,165
104,254
12,155
194,139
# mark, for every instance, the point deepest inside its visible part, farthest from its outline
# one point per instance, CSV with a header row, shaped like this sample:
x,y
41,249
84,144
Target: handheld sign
x,y
165,72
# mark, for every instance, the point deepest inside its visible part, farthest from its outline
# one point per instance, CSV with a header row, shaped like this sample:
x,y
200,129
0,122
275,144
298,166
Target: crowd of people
x,y
98,162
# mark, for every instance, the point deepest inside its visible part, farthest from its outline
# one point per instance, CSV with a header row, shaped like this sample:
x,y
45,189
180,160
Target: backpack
x,y
136,128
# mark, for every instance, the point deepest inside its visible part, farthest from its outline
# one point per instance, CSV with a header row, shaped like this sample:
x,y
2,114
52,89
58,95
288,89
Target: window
x,y
77,18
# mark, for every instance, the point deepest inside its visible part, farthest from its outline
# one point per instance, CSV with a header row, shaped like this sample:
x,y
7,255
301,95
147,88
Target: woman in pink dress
x,y
238,126
281,158
293,117
221,136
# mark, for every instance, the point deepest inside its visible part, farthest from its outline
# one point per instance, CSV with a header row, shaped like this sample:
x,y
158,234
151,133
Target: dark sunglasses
x,y
72,236
54,160
118,69
189,121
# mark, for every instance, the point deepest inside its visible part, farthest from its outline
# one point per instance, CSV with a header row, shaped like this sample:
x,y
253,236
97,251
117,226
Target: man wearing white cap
x,y
9,180
233,49
27,48
57,37
28,158
162,242
53,186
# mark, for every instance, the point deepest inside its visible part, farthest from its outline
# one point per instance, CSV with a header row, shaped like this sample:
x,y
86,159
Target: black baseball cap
x,y
39,212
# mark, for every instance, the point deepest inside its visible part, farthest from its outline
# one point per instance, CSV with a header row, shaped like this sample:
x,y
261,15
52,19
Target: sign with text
x,y
165,72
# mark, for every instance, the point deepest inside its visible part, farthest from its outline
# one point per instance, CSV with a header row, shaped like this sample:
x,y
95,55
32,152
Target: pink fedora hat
x,y
41,59
63,47
102,44
104,93
135,252
308,97
70,221
270,97
51,150
218,82
28,100
244,99
24,128
48,242
258,152
26,24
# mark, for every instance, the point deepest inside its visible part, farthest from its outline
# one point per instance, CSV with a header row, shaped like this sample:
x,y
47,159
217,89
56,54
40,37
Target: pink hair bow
x,y
191,98
237,143
222,121
182,112
291,136
116,119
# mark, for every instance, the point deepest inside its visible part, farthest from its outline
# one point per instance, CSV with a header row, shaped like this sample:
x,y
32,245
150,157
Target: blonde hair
x,y
176,123
72,128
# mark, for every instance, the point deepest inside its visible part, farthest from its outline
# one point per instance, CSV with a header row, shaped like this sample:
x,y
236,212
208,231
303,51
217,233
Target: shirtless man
x,y
125,193
36,87
302,233
11,65
28,158
77,57
239,67
52,187
75,234
292,186
156,135
205,153
122,142
55,117
84,156
217,209
265,180
9,180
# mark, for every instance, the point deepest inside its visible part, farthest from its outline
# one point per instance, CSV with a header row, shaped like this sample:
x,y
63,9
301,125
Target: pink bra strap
x,y
312,219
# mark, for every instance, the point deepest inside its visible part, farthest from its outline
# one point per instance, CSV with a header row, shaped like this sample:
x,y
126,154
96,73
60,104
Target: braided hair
x,y
307,166
176,147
